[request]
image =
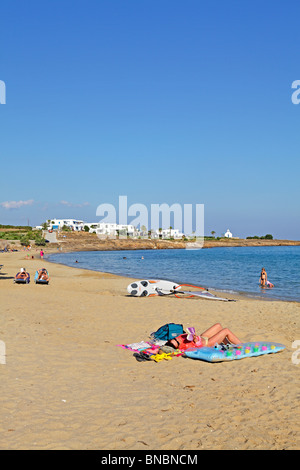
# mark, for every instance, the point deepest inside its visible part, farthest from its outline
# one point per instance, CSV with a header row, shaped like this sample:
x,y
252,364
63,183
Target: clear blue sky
x,y
164,101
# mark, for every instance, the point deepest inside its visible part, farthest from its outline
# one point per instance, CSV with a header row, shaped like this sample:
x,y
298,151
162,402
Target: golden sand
x,y
66,384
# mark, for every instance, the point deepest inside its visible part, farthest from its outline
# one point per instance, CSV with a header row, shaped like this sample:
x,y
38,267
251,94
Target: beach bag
x,y
168,331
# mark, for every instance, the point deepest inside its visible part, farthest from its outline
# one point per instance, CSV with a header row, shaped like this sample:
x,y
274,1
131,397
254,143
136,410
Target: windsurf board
x,y
150,287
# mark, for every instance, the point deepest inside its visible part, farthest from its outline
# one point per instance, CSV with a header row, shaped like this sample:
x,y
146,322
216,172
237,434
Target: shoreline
x,y
218,291
82,241
131,279
67,385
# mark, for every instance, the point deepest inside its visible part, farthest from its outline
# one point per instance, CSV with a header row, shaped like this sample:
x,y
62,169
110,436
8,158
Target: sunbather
x,y
22,275
214,334
43,275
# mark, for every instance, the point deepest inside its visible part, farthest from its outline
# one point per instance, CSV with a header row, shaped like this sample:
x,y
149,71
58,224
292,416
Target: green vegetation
x,y
22,233
10,235
266,237
19,227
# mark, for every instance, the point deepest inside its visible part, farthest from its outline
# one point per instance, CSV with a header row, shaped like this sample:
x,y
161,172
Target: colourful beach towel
x,y
135,347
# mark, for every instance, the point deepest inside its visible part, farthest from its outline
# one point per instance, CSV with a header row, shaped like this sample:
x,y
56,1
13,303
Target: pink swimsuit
x,y
184,344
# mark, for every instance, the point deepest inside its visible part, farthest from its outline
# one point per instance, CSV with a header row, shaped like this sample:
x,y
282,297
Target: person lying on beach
x,y
43,275
211,336
23,274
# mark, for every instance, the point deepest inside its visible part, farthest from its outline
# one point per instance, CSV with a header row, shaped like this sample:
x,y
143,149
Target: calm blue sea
x,y
225,269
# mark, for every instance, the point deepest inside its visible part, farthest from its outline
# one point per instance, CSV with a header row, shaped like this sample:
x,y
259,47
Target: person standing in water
x,y
263,277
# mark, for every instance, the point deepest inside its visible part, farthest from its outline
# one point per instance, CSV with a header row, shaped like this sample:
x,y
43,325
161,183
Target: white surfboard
x,y
148,287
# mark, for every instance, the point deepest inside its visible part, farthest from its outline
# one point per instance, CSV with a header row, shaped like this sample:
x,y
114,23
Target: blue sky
x,y
183,102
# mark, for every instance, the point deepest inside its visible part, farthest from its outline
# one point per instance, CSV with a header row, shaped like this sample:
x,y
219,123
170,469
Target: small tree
x,y
86,228
24,240
39,240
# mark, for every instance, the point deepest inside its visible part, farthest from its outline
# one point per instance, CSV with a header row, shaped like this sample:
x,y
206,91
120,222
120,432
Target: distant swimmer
x,y
263,277
263,280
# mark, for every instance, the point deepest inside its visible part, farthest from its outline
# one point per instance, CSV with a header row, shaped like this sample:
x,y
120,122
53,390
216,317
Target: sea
x,y
226,269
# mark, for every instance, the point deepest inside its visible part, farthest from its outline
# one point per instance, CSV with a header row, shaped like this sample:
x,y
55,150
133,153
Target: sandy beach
x,y
67,385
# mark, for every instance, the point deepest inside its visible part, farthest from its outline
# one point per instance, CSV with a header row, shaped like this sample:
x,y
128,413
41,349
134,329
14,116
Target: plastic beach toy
x,y
160,357
240,351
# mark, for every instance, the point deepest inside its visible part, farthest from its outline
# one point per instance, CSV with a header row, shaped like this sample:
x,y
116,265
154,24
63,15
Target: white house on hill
x,y
106,229
228,234
169,233
57,224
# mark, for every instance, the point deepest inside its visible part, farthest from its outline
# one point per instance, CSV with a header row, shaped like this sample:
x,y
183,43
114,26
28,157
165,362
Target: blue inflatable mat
x,y
239,351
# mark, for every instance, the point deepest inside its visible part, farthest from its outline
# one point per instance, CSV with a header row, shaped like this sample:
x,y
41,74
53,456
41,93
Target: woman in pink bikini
x,y
214,334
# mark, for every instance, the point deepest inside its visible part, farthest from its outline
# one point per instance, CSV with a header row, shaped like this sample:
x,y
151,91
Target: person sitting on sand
x,y
211,336
23,274
43,275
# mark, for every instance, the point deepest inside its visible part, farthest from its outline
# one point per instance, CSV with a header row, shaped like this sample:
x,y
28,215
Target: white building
x,y
57,224
112,229
169,233
228,234
92,226
108,229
